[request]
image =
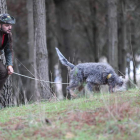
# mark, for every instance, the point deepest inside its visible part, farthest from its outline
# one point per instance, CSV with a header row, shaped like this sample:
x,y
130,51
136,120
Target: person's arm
x,y
9,58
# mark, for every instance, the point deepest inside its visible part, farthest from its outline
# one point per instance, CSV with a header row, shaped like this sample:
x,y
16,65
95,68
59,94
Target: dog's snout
x,y
121,83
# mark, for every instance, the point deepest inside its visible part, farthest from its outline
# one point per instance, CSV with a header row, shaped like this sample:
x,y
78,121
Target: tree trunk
x,y
3,7
6,94
41,48
51,39
32,95
133,48
128,66
93,9
112,34
21,53
122,44
134,68
64,31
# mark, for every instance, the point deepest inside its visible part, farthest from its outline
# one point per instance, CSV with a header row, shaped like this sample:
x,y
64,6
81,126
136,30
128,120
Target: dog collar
x,y
109,75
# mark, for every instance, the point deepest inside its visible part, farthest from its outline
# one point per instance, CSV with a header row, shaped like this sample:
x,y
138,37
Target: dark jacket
x,y
6,48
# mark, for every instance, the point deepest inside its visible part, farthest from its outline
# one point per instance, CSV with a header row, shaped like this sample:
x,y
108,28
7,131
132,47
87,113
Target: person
x,y
6,22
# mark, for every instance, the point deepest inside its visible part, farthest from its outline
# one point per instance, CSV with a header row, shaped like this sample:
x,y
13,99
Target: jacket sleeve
x,y
8,54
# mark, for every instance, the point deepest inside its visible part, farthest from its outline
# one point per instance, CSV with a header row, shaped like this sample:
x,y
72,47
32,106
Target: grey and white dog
x,y
91,73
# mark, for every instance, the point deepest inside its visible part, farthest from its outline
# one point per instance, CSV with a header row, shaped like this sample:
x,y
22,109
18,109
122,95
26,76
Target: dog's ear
x,y
109,76
106,75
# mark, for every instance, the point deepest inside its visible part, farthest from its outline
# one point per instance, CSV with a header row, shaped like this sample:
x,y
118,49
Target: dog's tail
x,y
63,60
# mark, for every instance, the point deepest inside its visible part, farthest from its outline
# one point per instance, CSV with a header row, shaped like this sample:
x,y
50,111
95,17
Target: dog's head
x,y
114,79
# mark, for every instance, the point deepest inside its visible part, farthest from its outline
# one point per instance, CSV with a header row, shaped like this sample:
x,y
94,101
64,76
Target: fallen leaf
x,y
48,121
69,135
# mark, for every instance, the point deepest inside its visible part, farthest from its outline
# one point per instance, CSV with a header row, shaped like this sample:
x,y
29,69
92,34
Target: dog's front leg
x,y
89,89
111,89
90,86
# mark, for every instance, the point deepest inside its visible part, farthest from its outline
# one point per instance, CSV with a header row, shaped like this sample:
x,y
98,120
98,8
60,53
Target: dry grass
x,y
104,116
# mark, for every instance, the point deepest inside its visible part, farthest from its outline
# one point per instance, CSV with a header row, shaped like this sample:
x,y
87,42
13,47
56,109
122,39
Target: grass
x,y
101,117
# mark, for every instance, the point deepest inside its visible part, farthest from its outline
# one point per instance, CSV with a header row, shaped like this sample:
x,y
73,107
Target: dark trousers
x,y
3,74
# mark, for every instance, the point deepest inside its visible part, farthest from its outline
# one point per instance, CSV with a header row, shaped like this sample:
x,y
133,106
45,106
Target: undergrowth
x,y
102,117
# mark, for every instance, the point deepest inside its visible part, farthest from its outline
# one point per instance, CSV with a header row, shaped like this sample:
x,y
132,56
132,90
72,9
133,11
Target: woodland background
x,y
83,30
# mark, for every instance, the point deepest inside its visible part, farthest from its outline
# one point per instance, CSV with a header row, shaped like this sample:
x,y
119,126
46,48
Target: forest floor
x,y
102,117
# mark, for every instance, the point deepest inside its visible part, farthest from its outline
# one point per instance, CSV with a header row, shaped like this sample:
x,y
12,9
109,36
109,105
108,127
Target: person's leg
x,y
3,74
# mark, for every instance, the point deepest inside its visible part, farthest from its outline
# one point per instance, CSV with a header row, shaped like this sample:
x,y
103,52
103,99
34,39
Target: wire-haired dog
x,y
91,73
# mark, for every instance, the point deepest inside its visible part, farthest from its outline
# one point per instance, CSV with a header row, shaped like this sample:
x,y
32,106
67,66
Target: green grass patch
x,y
102,117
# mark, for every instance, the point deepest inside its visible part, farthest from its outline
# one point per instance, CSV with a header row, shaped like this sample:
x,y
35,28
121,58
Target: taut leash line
x,y
38,79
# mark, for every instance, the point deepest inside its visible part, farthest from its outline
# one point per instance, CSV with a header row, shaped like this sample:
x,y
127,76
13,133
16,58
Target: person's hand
x,y
10,70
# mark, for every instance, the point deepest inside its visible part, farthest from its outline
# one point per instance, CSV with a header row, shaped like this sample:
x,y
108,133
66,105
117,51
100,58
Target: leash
x,y
38,79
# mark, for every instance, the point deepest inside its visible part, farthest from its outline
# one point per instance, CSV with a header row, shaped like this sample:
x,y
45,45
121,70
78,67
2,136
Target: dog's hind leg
x,y
72,86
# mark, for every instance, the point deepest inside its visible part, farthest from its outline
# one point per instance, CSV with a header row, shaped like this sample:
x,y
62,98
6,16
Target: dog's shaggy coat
x,y
91,73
